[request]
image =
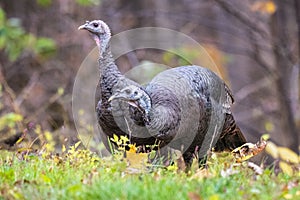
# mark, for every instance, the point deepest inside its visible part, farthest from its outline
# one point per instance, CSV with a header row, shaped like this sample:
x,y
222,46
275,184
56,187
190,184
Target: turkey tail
x,y
231,136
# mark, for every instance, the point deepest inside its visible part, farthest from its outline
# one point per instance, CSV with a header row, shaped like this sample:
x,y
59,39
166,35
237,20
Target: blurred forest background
x,y
255,43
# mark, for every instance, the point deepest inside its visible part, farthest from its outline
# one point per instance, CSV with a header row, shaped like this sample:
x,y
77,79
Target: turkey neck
x,y
162,110
109,73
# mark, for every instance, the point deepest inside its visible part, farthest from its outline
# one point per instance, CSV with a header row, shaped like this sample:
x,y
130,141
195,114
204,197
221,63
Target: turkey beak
x,y
84,26
116,96
123,98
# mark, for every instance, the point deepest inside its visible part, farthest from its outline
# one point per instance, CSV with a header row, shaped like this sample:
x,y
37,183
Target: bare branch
x,y
244,19
244,92
26,91
11,94
297,11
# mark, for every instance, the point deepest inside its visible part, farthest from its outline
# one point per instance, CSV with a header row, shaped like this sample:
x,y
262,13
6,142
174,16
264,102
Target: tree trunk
x,y
284,66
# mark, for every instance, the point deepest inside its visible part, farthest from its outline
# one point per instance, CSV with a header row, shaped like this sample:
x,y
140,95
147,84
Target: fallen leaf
x,y
288,155
248,150
180,164
202,173
268,7
286,168
194,196
272,149
136,161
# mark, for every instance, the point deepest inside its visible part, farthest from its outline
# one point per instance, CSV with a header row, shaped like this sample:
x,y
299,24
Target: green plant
x,y
14,40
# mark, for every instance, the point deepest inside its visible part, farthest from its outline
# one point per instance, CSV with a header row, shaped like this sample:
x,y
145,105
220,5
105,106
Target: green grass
x,y
82,175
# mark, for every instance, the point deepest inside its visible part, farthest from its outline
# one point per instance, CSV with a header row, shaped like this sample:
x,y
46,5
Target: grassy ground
x,y
79,174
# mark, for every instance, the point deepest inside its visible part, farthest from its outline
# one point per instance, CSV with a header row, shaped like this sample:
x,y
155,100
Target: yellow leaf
x,y
269,126
248,150
24,149
38,129
288,155
288,196
172,168
268,7
115,138
272,149
265,137
132,148
20,139
60,91
63,148
136,160
57,159
77,144
81,112
214,197
48,136
286,168
45,178
124,139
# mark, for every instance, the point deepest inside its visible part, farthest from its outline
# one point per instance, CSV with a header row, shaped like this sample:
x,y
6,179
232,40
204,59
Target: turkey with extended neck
x,y
188,108
111,118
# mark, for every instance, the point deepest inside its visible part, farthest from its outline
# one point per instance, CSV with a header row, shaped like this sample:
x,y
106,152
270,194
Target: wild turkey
x,y
111,117
186,107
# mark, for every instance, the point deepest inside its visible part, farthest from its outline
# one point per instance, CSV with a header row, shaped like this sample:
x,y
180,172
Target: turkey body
x,y
111,116
186,108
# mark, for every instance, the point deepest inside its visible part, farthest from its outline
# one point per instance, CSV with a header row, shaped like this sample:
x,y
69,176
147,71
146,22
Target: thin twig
x,y
245,91
128,128
11,94
26,91
244,19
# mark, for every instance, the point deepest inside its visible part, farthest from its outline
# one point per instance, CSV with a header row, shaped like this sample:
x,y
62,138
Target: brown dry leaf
x,y
57,159
248,150
202,173
180,164
88,180
289,186
156,176
194,196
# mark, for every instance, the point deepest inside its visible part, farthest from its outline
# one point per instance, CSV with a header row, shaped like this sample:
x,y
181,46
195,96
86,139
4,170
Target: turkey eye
x,y
135,93
95,25
127,91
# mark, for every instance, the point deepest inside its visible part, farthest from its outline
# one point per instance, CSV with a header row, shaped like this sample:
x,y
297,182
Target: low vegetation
x,y
77,173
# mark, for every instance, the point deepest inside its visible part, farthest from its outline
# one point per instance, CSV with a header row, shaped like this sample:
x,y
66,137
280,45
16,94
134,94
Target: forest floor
x,y
80,174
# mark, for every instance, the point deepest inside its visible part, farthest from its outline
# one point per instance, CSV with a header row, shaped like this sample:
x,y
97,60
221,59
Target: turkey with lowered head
x,y
187,108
